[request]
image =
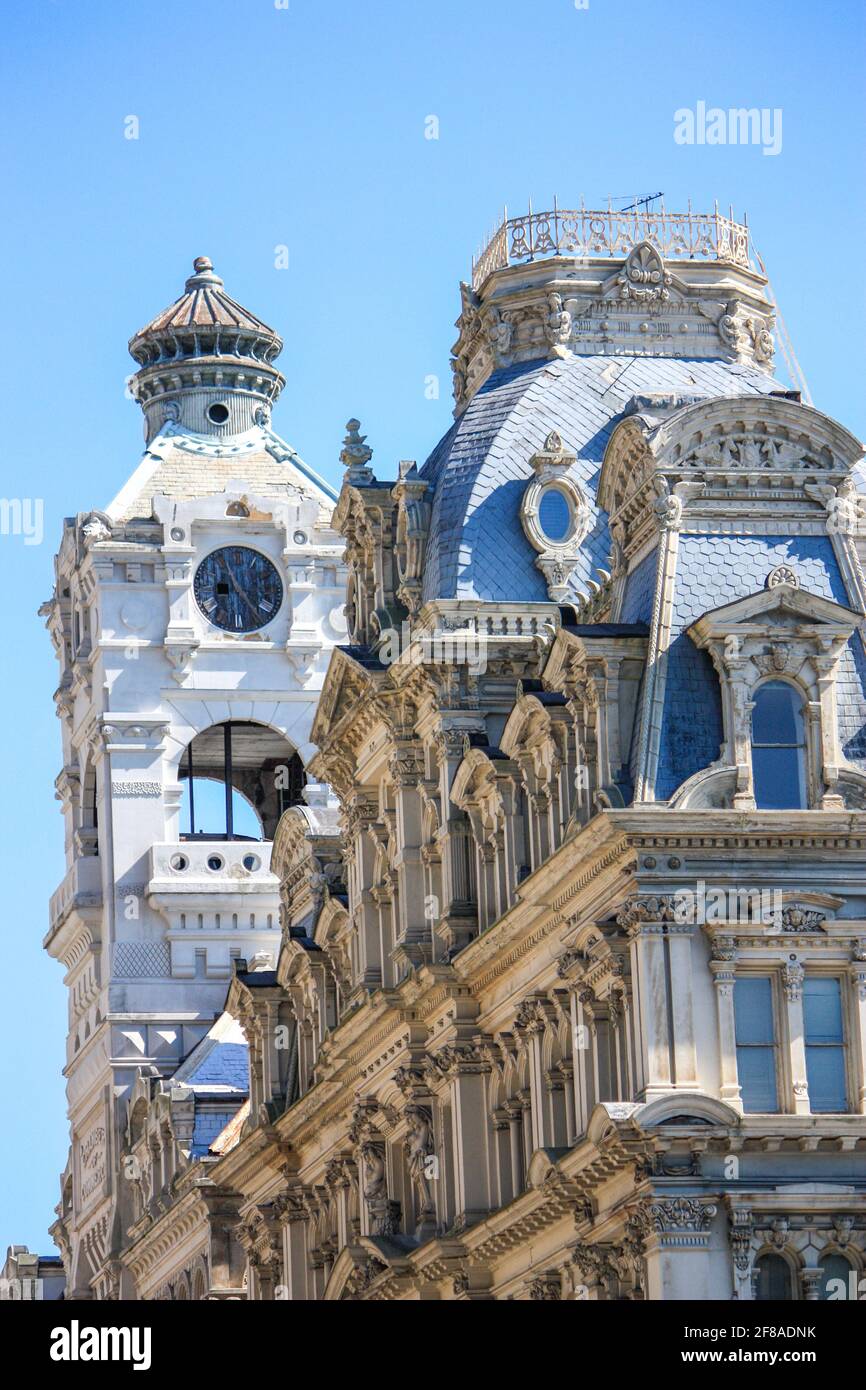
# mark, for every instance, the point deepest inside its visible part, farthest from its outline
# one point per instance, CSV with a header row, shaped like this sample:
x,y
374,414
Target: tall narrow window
x,y
778,748
773,1280
756,1044
825,1044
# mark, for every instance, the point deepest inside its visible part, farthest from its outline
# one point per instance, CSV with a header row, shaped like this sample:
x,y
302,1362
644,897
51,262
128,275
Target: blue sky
x,y
262,127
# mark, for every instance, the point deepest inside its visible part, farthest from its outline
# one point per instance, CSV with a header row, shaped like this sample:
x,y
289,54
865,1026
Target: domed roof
x,y
204,322
480,469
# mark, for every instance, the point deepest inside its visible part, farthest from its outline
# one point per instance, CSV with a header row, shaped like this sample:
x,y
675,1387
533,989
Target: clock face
x,y
238,589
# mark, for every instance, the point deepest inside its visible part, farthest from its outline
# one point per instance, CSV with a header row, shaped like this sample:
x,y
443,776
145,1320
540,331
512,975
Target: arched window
x,y
835,1277
773,1283
778,748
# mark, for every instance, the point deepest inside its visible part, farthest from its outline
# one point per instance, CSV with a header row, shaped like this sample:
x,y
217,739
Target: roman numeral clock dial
x,y
238,589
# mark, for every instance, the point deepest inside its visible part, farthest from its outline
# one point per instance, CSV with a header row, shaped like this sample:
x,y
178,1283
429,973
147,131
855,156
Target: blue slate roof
x,y
217,1072
480,468
226,1065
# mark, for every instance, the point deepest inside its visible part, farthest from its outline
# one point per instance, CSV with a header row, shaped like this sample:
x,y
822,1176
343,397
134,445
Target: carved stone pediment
x,y
785,607
751,445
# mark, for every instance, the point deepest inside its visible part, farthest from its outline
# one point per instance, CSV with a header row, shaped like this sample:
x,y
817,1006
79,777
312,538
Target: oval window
x,y
554,515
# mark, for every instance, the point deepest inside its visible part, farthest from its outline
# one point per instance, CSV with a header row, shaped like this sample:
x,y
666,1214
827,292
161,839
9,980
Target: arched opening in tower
x,y
237,780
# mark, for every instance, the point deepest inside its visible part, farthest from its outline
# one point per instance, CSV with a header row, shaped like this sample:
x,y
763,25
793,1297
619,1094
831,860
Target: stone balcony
x,y
219,899
80,890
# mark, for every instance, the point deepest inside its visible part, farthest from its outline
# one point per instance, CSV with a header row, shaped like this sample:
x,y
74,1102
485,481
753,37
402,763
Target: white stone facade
x,y
145,922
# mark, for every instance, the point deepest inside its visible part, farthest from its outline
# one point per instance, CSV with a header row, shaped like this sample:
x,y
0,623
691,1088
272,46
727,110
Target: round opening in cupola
x,y
217,413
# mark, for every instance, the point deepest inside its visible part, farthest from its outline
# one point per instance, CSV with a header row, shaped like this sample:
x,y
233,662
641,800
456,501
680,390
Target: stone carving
x,y
384,1214
844,506
559,323
724,316
741,1238
95,530
762,340
792,980
799,919
776,658
659,910
500,328
782,574
128,786
419,1151
669,511
644,277
681,1214
356,454
755,452
557,557
91,1160
547,1288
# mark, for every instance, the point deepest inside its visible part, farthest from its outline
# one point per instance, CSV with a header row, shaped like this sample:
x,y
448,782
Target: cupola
x,y
206,362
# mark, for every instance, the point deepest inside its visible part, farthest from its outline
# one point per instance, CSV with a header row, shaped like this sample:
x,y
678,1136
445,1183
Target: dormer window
x,y
777,653
778,748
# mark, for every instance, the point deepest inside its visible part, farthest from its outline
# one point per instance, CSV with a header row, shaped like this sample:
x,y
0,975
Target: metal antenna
x,y
641,202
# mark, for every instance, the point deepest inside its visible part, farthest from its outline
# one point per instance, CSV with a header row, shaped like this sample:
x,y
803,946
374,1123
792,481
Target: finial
x,y
356,454
202,263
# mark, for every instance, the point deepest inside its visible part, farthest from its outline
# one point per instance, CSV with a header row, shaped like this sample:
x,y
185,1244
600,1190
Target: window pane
x,y
825,1072
835,1267
756,1068
554,515
775,718
773,1284
753,1010
756,1056
777,778
822,1010
210,810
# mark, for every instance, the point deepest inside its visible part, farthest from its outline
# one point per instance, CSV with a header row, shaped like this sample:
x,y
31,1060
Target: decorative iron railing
x,y
584,232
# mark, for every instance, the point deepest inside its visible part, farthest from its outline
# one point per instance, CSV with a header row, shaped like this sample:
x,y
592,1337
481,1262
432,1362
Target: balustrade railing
x,y
586,232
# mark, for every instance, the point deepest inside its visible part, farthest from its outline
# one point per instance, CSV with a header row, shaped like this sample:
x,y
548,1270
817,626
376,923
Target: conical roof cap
x,y
205,322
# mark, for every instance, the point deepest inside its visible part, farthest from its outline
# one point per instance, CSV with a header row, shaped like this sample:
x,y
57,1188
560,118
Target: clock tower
x,y
192,618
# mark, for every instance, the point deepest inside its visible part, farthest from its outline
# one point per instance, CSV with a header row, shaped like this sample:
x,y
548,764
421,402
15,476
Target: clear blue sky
x,y
262,127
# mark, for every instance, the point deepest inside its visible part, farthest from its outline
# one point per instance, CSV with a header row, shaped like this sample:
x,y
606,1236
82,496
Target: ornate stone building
x,y
570,996
192,620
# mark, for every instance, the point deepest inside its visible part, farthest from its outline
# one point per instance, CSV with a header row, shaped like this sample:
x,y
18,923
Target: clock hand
x,y
240,593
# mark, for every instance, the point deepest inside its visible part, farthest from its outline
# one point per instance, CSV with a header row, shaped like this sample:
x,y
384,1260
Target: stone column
x,y
677,1249
362,812
649,976
679,943
722,968
792,980
858,977
514,1111
293,1218
407,771
469,1131
227,1259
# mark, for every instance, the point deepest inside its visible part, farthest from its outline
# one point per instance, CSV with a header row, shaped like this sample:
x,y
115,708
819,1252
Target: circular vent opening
x,y
218,413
